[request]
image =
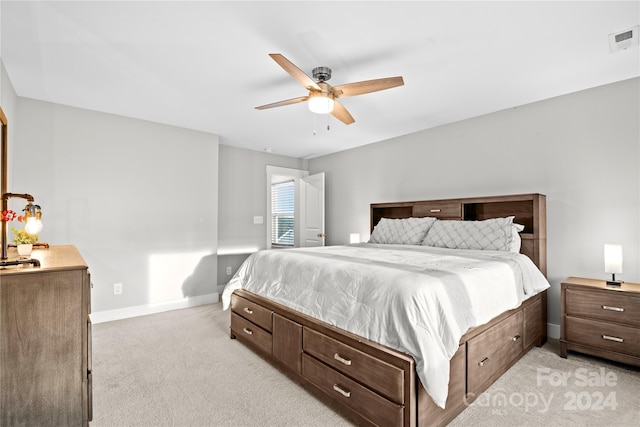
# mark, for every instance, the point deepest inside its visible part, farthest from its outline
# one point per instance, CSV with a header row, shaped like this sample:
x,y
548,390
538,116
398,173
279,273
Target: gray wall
x,y
8,101
241,196
94,172
138,199
582,150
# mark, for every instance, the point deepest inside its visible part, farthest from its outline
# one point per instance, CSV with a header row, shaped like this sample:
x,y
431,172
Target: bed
x,y
411,327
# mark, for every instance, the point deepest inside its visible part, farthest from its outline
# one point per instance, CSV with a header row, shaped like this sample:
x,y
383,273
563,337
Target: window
x,y
282,213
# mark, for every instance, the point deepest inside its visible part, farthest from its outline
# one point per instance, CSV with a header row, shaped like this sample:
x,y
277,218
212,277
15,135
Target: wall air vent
x,y
624,39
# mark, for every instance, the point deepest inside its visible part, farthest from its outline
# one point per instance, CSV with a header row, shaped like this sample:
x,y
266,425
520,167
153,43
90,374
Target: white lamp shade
x,y
320,103
613,259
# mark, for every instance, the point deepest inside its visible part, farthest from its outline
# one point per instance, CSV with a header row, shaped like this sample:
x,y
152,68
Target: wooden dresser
x,y
601,320
45,341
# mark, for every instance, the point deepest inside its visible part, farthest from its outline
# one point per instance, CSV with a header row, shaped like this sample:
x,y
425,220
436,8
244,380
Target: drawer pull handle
x,y
483,361
248,310
610,308
610,338
247,331
516,338
343,392
434,210
342,359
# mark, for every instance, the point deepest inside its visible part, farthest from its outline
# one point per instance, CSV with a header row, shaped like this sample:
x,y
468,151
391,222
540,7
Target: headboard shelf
x,y
528,209
522,210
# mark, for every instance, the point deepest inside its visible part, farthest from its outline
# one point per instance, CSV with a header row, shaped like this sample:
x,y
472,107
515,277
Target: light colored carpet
x,y
180,368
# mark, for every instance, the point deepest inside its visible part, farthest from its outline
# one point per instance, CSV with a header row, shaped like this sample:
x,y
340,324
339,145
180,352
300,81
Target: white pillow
x,y
493,234
516,239
406,231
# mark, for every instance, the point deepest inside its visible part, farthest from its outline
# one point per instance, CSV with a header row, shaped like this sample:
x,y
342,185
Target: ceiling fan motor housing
x,y
322,74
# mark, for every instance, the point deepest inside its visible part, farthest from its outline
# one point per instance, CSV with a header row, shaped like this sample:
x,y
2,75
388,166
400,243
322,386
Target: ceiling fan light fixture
x,y
320,103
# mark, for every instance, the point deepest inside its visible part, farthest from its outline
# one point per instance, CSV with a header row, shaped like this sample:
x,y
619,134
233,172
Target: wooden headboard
x,y
529,210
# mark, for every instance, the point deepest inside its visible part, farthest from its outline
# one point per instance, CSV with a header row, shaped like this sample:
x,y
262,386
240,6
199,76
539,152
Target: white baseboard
x,y
553,331
159,307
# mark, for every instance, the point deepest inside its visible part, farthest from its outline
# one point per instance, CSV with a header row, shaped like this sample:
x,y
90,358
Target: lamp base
x,y
613,281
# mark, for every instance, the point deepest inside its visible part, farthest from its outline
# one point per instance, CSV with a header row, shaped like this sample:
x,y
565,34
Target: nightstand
x,y
601,320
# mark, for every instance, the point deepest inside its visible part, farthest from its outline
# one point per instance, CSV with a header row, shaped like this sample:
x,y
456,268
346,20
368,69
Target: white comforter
x,y
416,299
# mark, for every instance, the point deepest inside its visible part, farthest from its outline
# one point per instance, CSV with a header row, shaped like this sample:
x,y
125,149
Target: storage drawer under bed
x,y
250,333
253,312
489,355
368,404
384,378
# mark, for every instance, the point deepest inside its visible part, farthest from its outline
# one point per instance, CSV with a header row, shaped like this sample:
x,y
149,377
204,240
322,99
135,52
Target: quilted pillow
x,y
406,231
494,234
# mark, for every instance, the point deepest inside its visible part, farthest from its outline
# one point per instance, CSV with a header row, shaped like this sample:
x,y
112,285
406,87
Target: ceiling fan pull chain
x,y
314,124
328,124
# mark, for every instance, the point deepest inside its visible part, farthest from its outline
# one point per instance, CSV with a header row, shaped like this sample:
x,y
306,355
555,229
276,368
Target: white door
x,y
312,212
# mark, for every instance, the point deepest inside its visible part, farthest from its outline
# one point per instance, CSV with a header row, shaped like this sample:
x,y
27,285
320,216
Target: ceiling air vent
x,y
624,40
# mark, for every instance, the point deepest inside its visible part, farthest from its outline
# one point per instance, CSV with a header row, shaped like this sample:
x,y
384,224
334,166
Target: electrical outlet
x,y
228,271
117,288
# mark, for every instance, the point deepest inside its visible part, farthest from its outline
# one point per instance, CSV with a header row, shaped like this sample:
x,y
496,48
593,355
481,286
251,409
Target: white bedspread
x,y
416,299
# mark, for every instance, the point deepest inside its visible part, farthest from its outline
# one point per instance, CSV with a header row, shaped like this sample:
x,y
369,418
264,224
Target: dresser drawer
x,y
370,405
252,311
443,210
490,354
608,336
248,332
384,378
611,306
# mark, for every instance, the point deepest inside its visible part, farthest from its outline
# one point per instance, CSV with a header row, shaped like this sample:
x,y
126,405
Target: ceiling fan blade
x,y
285,102
367,86
341,113
294,71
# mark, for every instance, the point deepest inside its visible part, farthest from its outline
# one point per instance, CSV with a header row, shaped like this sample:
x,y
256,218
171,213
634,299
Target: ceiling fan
x,y
322,97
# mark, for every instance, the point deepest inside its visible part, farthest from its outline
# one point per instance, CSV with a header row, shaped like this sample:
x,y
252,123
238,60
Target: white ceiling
x,y
204,65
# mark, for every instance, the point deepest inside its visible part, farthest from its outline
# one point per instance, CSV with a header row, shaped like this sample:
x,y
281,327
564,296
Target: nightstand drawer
x,y
608,336
603,305
252,312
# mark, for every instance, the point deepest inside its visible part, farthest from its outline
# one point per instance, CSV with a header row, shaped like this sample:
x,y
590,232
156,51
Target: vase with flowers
x,y
22,239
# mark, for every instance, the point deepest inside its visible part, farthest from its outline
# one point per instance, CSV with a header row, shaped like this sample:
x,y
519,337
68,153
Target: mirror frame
x,y
4,160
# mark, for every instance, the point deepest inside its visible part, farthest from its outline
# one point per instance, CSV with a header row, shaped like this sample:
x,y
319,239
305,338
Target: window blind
x,y
282,213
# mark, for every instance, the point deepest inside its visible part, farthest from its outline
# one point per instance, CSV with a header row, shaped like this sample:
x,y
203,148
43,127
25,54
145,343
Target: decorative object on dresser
x,y
601,320
32,217
613,262
378,385
45,341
